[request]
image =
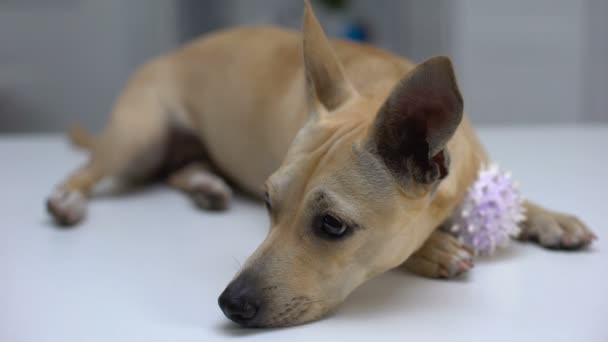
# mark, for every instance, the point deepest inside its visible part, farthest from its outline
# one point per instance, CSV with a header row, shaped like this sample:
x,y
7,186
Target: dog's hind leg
x,y
132,141
554,230
207,190
441,256
67,203
117,155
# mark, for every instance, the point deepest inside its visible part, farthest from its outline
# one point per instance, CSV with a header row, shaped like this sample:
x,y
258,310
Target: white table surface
x,y
149,267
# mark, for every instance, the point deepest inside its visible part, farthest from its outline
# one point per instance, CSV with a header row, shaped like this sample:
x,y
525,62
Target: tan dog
x,y
364,155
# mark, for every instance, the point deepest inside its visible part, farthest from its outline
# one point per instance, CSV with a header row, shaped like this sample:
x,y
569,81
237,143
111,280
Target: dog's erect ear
x,y
326,82
417,120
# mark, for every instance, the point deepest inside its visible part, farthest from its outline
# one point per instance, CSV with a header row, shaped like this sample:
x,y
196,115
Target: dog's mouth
x,y
296,310
264,307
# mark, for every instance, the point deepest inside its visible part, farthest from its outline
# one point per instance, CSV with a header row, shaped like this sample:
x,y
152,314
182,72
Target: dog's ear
x,y
326,82
417,120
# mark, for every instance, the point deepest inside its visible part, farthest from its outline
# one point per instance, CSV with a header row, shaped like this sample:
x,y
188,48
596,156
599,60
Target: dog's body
x,y
249,103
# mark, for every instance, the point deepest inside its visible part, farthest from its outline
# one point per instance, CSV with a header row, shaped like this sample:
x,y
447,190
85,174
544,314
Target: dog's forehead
x,y
281,178
372,172
349,172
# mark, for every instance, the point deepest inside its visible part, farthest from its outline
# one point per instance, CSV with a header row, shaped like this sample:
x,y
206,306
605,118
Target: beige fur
x,y
253,106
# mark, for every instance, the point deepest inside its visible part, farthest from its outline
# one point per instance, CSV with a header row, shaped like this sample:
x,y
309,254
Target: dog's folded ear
x,y
326,82
413,127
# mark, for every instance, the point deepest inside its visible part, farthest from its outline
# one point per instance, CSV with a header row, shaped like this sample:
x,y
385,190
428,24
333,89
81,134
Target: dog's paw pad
x,y
67,207
557,231
211,193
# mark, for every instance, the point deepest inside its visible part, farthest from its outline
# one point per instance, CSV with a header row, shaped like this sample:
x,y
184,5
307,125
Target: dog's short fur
x,y
331,128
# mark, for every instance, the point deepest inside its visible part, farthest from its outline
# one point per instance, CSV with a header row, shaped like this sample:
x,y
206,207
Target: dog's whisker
x,y
311,301
315,301
238,265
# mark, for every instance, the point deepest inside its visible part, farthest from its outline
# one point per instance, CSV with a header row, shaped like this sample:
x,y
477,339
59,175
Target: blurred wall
x,y
65,61
518,61
595,59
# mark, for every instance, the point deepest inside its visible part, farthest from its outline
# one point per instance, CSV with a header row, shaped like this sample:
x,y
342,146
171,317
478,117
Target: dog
x,y
359,155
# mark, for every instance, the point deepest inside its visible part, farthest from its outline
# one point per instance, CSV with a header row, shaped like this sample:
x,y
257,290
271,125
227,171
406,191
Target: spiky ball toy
x,y
490,212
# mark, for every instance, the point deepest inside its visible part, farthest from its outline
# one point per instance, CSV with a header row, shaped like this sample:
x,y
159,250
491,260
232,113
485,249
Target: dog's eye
x,y
333,227
267,201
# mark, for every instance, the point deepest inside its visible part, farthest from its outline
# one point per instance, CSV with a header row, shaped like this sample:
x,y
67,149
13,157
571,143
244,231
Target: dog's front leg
x,y
441,256
207,190
553,229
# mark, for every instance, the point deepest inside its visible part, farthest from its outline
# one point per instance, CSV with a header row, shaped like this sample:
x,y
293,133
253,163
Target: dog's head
x,y
347,202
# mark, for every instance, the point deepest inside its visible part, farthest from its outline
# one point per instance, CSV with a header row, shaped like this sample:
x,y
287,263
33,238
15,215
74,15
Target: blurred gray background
x,y
518,61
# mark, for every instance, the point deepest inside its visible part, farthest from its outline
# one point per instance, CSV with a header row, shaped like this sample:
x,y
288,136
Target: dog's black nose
x,y
239,303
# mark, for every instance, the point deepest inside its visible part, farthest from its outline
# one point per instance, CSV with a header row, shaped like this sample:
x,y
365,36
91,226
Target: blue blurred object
x,y
356,31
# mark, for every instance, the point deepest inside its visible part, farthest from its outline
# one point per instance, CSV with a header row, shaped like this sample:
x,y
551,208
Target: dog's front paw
x,y
555,230
67,207
210,193
441,256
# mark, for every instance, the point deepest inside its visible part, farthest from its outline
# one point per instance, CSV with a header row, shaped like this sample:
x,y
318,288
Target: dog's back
x,y
250,82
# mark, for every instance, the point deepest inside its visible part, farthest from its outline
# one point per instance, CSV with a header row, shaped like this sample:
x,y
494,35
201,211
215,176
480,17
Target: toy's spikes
x,y
490,212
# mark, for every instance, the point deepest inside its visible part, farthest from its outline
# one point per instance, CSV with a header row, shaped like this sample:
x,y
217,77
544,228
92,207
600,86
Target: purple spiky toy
x,y
490,212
